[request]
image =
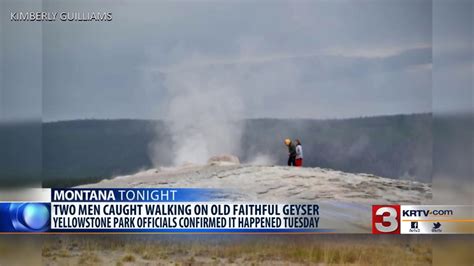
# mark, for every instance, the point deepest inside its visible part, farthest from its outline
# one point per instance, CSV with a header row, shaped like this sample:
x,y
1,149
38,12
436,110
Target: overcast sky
x,y
298,59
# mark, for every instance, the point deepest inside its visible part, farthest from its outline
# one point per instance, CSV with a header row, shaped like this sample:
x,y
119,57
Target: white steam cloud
x,y
203,113
205,102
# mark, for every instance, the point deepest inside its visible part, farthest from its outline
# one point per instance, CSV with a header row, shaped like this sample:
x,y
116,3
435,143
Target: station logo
x,y
386,219
29,217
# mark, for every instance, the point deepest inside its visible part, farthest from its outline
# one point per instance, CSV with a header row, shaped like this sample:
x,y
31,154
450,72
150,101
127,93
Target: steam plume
x,y
203,113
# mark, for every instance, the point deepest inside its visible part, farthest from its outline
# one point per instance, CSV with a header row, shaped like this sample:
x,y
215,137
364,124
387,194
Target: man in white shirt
x,y
299,154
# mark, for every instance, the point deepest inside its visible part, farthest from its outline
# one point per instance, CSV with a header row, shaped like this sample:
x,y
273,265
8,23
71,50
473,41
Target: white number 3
x,y
391,218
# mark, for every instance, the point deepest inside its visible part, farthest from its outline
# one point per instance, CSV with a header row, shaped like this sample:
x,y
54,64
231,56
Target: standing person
x,y
299,154
291,152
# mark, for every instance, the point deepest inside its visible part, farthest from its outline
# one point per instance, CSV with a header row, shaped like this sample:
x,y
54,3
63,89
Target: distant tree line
x,y
398,146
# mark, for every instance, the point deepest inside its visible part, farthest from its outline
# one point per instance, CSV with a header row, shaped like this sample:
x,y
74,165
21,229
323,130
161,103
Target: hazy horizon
x,y
247,118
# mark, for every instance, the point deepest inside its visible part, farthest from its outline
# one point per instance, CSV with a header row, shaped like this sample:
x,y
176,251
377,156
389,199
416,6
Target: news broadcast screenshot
x,y
236,132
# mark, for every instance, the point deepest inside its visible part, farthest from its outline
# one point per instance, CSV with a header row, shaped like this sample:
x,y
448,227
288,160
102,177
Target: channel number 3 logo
x,y
386,219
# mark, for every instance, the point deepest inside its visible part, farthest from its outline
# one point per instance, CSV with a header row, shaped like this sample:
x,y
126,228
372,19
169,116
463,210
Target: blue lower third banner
x,y
155,210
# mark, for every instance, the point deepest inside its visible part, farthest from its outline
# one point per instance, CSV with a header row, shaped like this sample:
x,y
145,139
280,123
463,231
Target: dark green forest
x,y
398,146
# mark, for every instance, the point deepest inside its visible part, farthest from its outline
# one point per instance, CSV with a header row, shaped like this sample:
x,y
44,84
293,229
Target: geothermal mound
x,y
345,197
279,183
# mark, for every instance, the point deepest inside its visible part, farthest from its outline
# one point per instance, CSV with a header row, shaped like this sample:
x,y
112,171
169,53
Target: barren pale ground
x,y
278,183
345,199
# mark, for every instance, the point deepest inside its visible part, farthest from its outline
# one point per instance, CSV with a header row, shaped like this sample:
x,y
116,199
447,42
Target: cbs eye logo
x,y
29,217
386,219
